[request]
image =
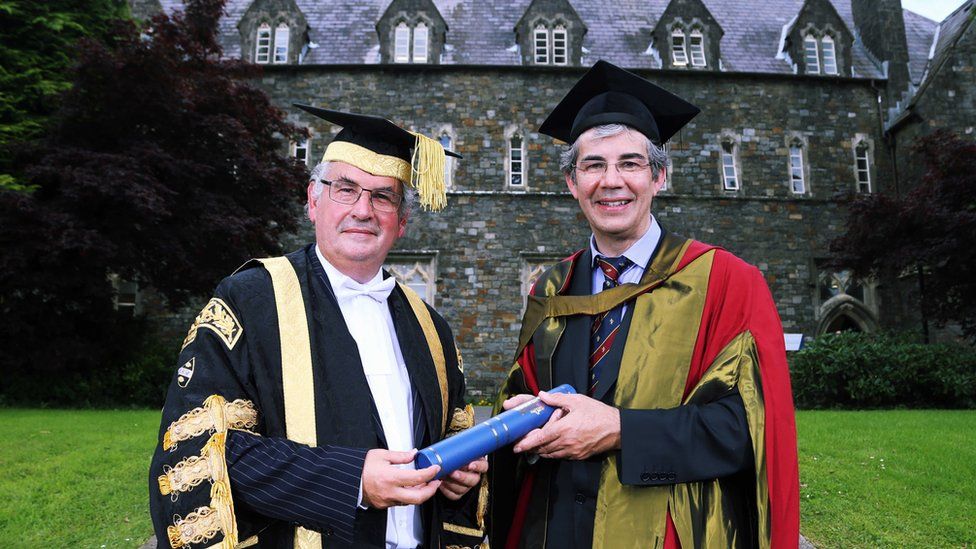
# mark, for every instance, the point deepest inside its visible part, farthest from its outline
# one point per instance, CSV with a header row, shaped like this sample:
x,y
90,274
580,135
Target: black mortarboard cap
x,y
607,94
380,147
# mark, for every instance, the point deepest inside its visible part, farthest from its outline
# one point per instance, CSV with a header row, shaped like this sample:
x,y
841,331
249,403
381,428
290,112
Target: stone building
x,y
800,102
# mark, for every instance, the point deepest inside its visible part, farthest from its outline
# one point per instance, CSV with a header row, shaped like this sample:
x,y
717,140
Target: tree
x,y
36,50
163,166
929,233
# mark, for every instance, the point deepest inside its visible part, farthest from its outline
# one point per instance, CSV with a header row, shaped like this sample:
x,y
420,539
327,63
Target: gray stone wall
x,y
483,238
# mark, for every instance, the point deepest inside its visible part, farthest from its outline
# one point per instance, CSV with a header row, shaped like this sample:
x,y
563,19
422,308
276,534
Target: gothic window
x,y
126,298
696,44
811,55
416,272
679,55
401,47
263,53
559,41
836,283
448,143
411,43
420,43
862,166
797,181
730,176
541,41
281,44
829,55
299,151
550,44
516,160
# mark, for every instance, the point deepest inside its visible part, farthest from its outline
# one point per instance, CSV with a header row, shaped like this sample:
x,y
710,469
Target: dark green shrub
x,y
853,370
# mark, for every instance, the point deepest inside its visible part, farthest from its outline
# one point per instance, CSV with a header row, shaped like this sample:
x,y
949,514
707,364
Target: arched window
x,y
730,175
516,161
448,143
281,44
541,45
696,43
401,44
862,166
797,183
263,53
679,55
559,51
829,55
811,55
420,43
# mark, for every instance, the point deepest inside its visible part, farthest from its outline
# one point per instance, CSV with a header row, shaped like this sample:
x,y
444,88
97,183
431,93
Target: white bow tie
x,y
378,291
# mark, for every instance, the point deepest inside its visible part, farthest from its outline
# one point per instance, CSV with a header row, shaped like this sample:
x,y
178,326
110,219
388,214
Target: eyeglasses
x,y
594,169
347,192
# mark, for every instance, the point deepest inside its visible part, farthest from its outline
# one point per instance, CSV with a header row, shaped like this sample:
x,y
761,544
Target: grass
x,y
889,478
75,478
902,478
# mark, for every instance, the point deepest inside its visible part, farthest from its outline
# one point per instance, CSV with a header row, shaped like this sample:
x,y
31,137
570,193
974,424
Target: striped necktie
x,y
606,325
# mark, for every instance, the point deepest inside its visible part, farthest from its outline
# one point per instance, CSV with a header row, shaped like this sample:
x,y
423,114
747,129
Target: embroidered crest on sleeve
x,y
185,373
219,318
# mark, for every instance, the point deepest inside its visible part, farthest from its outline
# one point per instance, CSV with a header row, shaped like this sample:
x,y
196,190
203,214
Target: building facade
x,y
798,98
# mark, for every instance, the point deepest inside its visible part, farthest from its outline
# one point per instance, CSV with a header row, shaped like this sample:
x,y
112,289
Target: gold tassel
x,y
427,172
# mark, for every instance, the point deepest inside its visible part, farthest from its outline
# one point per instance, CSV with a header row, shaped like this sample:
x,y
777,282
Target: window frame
x,y
810,41
304,144
510,160
679,48
281,37
540,32
727,152
797,166
859,147
264,35
698,48
401,42
560,34
829,64
448,160
416,40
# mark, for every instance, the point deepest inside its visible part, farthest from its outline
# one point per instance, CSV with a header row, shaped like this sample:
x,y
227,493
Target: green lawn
x,y
75,478
869,479
898,478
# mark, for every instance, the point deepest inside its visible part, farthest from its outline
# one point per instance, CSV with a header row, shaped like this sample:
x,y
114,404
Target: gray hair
x,y
657,157
318,172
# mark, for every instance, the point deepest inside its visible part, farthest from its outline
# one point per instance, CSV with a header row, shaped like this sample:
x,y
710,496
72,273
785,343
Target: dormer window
x,y
281,44
550,44
420,43
679,55
272,47
411,44
811,55
697,46
829,55
263,53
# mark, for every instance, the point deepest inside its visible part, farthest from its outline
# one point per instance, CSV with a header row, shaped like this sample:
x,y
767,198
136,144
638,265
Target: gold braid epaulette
x,y
204,523
461,419
216,415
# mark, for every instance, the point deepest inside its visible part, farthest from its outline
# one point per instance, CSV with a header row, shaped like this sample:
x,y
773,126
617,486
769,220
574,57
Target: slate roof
x,y
948,33
481,32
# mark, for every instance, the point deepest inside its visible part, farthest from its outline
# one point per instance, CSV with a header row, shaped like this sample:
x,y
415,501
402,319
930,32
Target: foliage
x,y
163,166
932,228
855,370
892,478
36,49
75,478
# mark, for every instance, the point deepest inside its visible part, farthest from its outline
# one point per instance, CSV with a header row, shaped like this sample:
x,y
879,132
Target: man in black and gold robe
x,y
307,381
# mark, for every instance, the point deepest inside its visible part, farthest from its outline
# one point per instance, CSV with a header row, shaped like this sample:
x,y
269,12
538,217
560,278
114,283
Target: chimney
x,y
880,24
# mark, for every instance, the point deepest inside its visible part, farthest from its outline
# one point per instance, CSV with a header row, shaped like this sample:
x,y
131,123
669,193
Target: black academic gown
x,y
345,414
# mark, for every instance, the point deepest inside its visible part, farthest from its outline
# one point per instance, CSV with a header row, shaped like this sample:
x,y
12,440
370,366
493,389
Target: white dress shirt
x,y
639,253
368,319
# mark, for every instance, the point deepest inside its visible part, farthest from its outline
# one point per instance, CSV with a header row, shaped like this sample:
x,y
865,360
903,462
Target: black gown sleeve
x,y
684,444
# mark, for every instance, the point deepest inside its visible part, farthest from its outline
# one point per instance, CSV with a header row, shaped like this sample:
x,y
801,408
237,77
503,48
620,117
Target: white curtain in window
x,y
281,44
810,55
420,43
401,44
829,55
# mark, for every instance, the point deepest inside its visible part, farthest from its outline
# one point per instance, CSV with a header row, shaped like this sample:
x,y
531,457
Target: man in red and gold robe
x,y
682,433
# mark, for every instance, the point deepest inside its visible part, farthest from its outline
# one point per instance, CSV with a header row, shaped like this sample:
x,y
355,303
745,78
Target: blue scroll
x,y
482,439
